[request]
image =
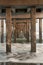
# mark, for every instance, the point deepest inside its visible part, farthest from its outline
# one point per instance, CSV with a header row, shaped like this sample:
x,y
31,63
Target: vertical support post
x,y
27,33
14,25
40,30
17,29
2,31
33,30
8,29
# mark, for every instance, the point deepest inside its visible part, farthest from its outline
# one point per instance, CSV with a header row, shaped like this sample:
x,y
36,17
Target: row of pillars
x,y
27,30
33,29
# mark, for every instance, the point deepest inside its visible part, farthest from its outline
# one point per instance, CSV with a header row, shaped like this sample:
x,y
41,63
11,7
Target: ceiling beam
x,y
21,2
38,15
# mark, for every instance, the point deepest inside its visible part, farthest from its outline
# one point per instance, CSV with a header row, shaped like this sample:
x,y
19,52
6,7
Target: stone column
x,y
33,30
14,26
2,31
27,32
40,30
8,29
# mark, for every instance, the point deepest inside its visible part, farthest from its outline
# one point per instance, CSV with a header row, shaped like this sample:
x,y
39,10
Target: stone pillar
x,y
14,26
27,32
2,31
33,30
40,30
8,29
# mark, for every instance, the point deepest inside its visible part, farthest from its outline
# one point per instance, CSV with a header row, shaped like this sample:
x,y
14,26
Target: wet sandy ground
x,y
11,63
21,53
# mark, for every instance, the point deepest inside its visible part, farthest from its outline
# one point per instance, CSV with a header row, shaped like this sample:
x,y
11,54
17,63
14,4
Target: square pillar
x,y
14,26
27,30
8,29
33,30
40,30
2,31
